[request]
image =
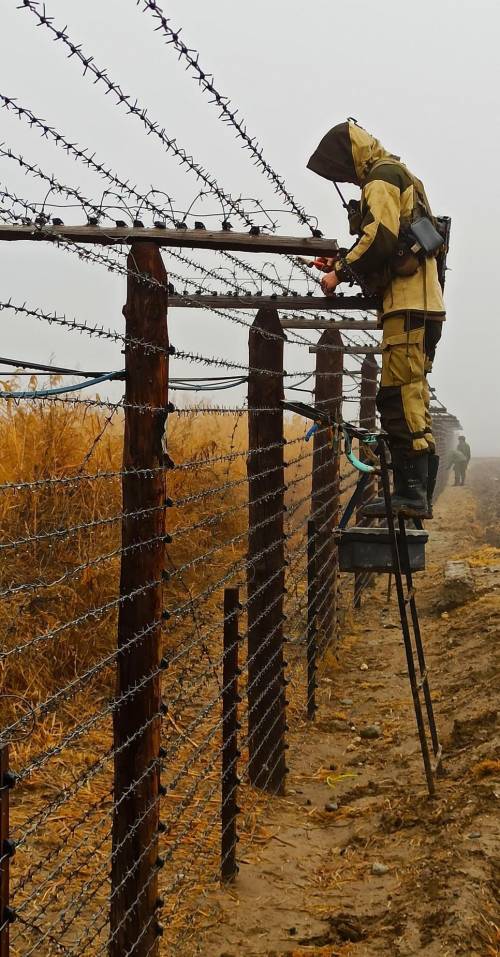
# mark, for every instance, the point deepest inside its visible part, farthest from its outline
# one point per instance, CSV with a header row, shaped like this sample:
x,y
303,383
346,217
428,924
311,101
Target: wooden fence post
x,y
449,446
439,433
5,919
367,419
312,644
230,753
266,554
136,721
444,428
325,494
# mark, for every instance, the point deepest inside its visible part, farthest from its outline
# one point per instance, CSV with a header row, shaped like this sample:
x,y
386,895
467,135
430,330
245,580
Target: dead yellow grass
x,y
72,570
487,555
78,571
485,769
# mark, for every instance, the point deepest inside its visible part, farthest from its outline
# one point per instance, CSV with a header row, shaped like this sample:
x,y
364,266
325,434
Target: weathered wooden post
x,y
266,554
230,753
444,428
312,644
440,440
367,418
136,719
5,911
449,444
325,495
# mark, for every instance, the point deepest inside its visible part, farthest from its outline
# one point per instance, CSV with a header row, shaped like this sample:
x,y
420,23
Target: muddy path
x,y
356,861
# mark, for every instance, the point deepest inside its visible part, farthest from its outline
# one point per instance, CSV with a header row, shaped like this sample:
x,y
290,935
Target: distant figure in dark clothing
x,y
460,459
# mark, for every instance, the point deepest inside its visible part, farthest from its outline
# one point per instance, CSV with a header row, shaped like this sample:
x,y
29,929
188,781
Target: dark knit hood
x,y
346,154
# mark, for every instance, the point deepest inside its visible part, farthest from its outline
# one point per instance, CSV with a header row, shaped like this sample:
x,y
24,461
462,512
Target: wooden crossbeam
x,y
189,238
281,303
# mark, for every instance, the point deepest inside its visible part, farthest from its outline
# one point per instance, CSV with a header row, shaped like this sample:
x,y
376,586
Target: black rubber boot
x,y
410,501
431,481
376,509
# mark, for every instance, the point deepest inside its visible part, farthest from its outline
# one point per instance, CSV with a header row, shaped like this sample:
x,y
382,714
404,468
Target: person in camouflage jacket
x,y
411,300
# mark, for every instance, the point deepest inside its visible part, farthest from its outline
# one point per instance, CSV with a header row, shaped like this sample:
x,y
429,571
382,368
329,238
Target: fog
x,y
423,79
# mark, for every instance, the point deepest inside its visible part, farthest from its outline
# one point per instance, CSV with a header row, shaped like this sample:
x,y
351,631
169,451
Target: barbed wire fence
x,y
116,803
169,593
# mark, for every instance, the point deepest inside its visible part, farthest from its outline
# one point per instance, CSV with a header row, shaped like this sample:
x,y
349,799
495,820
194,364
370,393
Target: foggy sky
x,y
423,78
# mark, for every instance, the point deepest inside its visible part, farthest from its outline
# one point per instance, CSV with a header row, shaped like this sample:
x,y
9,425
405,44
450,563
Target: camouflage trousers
x,y
408,348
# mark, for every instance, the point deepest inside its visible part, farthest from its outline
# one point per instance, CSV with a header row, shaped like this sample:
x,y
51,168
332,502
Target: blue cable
x,y
59,390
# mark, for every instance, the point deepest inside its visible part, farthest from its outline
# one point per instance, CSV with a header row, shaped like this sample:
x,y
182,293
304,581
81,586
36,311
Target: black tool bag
x,y
418,240
424,237
369,550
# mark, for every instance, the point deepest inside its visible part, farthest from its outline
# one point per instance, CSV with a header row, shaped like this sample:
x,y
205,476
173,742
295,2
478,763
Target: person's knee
x,y
403,359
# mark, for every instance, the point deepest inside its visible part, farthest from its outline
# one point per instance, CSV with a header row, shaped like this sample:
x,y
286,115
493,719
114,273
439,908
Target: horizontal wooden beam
x,y
352,325
281,303
350,350
189,238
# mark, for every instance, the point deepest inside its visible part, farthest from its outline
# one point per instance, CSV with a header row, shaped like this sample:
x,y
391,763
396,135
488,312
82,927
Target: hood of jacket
x,y
346,154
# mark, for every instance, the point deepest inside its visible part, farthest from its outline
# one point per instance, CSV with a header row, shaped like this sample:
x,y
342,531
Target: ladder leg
x,y
398,579
418,639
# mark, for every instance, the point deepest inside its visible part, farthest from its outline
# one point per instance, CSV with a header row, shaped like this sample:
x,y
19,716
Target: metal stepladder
x,y
401,570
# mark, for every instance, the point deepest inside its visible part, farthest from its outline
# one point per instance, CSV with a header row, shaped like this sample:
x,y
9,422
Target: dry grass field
x,y
60,515
59,582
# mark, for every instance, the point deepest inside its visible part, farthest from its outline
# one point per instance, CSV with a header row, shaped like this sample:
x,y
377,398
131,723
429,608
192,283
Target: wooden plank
x,y
282,303
179,238
136,720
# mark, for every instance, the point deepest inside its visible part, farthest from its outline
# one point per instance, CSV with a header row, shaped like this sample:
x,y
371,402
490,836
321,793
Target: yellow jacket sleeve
x,y
380,210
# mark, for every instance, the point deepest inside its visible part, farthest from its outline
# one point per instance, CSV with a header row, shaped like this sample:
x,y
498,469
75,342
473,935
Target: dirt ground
x,y
385,870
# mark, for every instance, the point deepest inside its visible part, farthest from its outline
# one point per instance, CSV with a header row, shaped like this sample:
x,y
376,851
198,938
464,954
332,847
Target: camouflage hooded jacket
x,y
390,193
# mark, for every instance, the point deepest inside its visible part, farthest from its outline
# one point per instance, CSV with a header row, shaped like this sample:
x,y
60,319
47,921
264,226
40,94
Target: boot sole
x,y
375,513
407,512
